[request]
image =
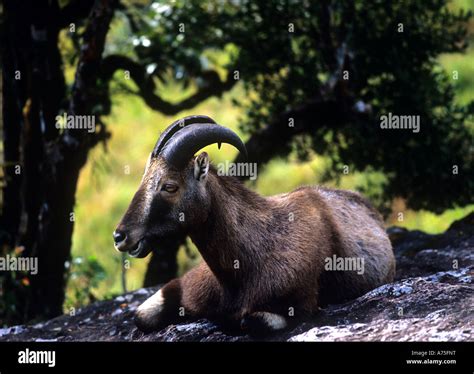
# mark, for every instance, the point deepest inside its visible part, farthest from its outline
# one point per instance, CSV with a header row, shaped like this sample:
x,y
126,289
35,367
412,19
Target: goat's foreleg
x,y
196,294
161,309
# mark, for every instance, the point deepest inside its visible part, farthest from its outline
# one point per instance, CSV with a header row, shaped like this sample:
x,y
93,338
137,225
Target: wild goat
x,y
264,257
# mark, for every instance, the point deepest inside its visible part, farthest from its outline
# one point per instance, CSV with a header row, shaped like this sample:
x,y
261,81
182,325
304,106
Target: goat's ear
x,y
201,166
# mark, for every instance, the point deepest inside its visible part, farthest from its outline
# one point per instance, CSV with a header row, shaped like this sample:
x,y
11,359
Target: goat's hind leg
x,y
161,309
259,323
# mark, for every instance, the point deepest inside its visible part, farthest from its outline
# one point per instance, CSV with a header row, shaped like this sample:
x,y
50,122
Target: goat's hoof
x,y
144,325
148,322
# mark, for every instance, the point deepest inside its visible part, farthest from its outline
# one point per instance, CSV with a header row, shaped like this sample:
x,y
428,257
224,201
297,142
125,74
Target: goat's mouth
x,y
141,249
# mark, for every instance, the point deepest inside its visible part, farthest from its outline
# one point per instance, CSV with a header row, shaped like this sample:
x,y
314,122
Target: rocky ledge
x,y
432,299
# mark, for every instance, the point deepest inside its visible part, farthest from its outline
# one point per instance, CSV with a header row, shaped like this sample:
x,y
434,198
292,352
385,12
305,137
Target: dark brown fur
x,y
280,244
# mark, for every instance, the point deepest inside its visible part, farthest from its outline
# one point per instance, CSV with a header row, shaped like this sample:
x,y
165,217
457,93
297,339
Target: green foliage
x,y
390,70
85,276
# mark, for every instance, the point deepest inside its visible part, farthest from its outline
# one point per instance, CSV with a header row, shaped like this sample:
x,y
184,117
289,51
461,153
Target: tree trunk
x,y
10,202
50,163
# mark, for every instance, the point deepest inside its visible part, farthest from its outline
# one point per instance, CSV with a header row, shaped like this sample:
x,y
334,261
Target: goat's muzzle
x,y
122,243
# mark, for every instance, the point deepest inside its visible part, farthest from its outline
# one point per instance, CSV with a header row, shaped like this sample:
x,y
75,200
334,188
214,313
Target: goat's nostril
x,y
119,236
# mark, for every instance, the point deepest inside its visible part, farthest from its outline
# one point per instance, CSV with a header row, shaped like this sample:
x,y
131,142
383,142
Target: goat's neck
x,y
230,240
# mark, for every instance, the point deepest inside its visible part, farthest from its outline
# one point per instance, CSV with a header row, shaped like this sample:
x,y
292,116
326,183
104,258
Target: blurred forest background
x,y
177,63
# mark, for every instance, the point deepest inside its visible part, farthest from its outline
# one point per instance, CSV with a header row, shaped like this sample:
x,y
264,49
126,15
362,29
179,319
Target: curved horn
x,y
183,145
176,126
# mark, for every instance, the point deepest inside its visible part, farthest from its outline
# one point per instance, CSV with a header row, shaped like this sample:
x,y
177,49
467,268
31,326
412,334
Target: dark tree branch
x,y
275,138
213,85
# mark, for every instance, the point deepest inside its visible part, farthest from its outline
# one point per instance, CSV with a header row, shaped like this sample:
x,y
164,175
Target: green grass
x,y
463,64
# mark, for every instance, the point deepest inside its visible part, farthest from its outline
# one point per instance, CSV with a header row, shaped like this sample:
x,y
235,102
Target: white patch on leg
x,y
274,321
151,308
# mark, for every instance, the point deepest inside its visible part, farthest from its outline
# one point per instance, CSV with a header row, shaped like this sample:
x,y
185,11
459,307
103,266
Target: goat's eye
x,y
168,187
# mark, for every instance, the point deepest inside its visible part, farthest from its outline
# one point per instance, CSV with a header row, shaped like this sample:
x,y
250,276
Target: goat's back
x,y
362,235
344,224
